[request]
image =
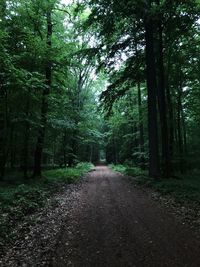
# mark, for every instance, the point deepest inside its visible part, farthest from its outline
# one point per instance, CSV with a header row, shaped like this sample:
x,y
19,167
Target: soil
x,y
107,221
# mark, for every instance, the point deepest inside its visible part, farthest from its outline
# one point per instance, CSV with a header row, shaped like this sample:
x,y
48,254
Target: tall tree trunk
x,y
25,147
179,128
166,170
169,94
2,133
44,107
114,150
171,118
26,141
64,148
3,101
91,152
140,117
4,130
154,170
135,143
12,147
184,130
141,127
54,151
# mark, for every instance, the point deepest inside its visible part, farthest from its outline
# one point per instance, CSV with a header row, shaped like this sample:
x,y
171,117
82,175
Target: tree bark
x,y
154,170
141,128
179,127
4,131
2,135
169,95
25,149
171,118
91,152
184,131
44,107
166,170
12,147
64,148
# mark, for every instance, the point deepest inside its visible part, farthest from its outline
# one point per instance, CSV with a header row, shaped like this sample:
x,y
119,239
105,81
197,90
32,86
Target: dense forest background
x,y
99,80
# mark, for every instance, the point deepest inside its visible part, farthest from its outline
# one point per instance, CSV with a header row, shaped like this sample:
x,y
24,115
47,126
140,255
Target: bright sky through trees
x,y
66,2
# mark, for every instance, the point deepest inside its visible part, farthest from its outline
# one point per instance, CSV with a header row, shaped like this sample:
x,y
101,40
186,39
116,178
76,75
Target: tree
x,y
152,21
46,91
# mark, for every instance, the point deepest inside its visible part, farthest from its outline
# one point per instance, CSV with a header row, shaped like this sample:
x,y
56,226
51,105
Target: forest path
x,y
113,223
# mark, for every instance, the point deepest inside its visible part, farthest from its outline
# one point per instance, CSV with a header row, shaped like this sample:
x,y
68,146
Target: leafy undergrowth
x,y
21,198
127,170
186,188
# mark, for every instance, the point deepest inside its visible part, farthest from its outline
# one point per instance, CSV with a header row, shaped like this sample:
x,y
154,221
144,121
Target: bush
x,y
68,175
131,171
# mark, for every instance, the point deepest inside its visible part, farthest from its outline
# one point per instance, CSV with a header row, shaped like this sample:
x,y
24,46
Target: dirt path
x,y
116,224
106,222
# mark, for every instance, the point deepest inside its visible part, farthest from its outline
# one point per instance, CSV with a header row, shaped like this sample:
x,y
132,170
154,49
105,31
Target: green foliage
x,y
118,168
72,124
68,175
128,170
121,29
182,189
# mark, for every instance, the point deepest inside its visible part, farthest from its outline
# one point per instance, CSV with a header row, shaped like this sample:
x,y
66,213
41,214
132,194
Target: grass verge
x,y
21,198
127,170
185,189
